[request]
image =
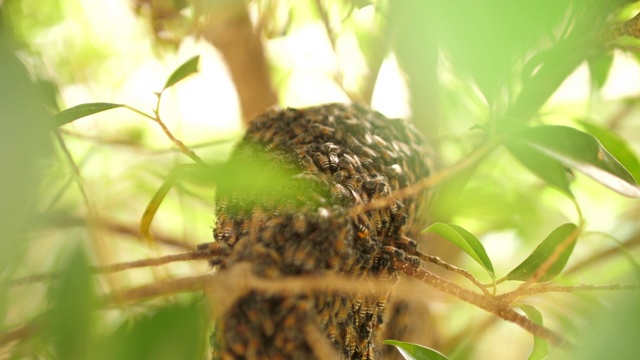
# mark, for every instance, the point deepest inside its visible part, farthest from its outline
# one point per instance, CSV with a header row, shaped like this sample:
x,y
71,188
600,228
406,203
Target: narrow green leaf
x,y
616,145
80,111
583,152
540,349
613,334
172,332
599,67
529,266
258,175
545,167
70,320
448,194
629,255
465,241
415,352
187,68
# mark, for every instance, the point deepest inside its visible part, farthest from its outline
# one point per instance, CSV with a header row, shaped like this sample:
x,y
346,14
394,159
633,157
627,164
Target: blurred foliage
x,y
476,76
172,332
70,321
24,148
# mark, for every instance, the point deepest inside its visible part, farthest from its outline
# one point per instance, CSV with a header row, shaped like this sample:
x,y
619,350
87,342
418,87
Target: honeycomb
x,y
339,156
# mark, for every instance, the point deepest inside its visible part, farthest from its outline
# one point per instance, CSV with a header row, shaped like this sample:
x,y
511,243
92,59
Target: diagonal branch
x,y
428,182
445,265
548,288
213,252
488,303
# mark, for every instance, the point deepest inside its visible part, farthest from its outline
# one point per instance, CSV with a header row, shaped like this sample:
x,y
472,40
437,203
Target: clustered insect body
x,y
341,155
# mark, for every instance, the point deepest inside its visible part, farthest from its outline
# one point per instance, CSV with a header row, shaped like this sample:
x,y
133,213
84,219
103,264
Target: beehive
x,y
341,156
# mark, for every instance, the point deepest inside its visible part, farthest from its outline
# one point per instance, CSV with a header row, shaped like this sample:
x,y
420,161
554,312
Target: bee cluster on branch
x,y
339,156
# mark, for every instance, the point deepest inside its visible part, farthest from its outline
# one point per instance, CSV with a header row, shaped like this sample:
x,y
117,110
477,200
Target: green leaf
x,y
581,151
613,334
616,145
449,193
256,175
415,352
629,255
80,111
172,332
529,266
545,167
70,320
599,67
540,347
465,241
187,68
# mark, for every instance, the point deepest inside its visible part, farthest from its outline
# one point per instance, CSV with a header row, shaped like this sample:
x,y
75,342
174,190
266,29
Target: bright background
x,y
105,51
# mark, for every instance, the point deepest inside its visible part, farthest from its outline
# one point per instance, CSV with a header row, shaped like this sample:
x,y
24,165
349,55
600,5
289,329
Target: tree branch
x,y
489,303
227,26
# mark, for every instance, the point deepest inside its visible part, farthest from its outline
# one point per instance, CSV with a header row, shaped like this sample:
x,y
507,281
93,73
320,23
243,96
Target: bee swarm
x,y
342,156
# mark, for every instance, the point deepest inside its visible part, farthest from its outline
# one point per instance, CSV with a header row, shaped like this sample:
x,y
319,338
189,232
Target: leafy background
x,y
467,74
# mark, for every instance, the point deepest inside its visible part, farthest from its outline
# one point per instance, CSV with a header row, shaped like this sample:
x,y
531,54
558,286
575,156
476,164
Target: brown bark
x,y
227,26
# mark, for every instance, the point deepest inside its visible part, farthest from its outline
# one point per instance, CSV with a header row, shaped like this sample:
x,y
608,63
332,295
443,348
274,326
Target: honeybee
x,y
406,244
309,164
379,142
340,132
258,216
322,130
339,192
342,310
329,148
347,164
381,304
332,330
363,231
322,161
323,318
224,234
350,341
306,230
377,219
413,260
353,144
367,152
244,228
299,223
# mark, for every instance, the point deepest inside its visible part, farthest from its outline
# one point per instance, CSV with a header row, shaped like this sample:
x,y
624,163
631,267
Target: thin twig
x,y
185,150
109,225
632,27
338,77
439,262
30,279
159,288
327,24
227,286
92,212
212,252
19,333
319,343
548,262
488,303
122,141
634,241
549,288
615,119
230,284
425,183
